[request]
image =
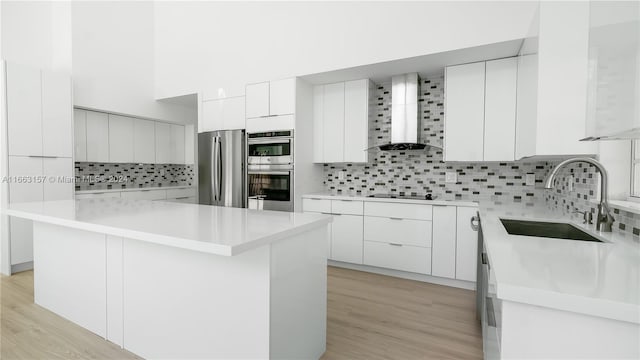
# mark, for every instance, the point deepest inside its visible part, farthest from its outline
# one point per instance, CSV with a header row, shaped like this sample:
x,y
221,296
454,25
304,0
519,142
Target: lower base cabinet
x,y
346,238
398,256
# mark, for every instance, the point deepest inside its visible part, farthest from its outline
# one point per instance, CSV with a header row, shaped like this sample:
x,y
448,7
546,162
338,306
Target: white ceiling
x,y
423,65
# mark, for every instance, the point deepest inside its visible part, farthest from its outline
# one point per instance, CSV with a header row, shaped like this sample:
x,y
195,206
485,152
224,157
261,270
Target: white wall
x,y
113,60
209,45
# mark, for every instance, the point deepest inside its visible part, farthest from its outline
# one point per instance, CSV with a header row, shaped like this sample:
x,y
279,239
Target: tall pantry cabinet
x,y
39,137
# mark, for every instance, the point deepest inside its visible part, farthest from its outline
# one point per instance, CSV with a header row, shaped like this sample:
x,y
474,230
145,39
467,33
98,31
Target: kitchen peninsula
x,y
168,280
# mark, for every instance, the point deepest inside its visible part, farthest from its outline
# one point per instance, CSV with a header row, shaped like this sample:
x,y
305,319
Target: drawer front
x,y
104,195
405,211
404,257
347,207
316,205
180,193
398,231
186,200
145,195
346,238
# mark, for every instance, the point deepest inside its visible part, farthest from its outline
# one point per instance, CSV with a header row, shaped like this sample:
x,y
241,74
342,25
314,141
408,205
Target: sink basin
x,y
547,230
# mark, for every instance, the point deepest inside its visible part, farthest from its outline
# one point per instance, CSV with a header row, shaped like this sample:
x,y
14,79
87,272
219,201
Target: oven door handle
x,y
267,172
273,140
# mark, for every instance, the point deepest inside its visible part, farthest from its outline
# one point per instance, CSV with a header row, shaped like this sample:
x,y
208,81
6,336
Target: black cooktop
x,y
408,197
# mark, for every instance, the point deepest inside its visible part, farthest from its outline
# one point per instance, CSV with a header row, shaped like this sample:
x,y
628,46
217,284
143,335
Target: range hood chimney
x,y
405,122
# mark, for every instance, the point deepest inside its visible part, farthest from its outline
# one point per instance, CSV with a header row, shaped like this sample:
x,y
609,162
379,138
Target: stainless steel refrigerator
x,y
221,168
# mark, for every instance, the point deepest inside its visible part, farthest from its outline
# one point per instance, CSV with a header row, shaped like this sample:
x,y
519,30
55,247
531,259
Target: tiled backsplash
x,y
421,172
99,176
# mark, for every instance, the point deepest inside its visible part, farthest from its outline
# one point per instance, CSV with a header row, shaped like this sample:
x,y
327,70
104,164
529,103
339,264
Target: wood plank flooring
x,y
369,317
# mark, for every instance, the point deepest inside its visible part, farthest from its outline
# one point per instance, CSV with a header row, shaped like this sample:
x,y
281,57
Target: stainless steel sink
x,y
547,230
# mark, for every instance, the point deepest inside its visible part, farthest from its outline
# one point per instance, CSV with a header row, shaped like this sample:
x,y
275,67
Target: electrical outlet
x,y
451,177
530,179
341,175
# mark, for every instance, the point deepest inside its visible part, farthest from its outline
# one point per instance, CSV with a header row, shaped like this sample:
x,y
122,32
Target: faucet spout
x,y
604,220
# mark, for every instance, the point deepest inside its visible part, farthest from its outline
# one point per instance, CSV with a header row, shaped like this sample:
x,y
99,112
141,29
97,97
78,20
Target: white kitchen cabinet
x,y
28,173
163,143
177,144
121,135
144,141
318,124
316,205
500,109
282,96
333,120
57,114
99,195
464,112
80,134
356,120
97,137
223,114
346,238
398,230
466,244
146,194
271,123
21,233
398,257
443,250
24,110
257,100
60,169
189,144
526,105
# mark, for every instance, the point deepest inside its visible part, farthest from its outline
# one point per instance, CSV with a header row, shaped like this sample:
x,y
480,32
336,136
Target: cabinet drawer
x,y
145,195
103,195
348,207
398,257
404,211
316,205
399,231
186,200
180,193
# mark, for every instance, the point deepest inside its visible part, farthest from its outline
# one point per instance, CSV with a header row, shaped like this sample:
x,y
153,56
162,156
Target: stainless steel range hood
x,y
405,121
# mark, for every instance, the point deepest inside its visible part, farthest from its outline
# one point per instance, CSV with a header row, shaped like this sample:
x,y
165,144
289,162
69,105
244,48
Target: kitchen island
x,y
167,280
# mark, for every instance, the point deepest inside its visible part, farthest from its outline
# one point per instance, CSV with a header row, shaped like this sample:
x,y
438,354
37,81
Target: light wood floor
x,y
369,317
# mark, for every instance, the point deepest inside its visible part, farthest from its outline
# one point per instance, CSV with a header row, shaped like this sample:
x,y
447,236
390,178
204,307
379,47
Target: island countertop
x,y
209,229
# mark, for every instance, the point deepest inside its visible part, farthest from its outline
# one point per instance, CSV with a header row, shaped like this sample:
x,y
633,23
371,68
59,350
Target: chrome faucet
x,y
604,220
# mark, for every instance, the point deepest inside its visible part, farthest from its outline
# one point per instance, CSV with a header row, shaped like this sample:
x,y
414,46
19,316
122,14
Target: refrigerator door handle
x,y
220,170
214,170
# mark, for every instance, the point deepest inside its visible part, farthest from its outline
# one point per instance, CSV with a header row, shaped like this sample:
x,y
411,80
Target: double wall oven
x,y
270,169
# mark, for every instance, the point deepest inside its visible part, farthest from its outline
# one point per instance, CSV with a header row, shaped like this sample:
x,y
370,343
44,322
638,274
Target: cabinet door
x,y
318,124
500,109
177,144
97,137
26,171
120,139
356,120
21,240
189,144
347,238
24,110
80,134
466,245
163,143
60,169
443,252
144,141
526,105
213,115
257,98
464,112
282,97
234,113
334,122
57,114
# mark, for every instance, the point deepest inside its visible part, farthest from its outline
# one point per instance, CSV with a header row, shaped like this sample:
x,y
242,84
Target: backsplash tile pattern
x,y
100,176
421,172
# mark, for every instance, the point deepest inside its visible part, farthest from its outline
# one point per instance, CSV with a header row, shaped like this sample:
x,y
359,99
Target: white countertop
x,y
94,191
210,229
598,279
332,196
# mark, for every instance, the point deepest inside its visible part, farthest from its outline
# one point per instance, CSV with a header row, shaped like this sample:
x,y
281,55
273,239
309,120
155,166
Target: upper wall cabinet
x,y
271,98
163,143
341,121
144,141
223,114
39,109
80,134
97,136
552,83
480,111
121,134
613,104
